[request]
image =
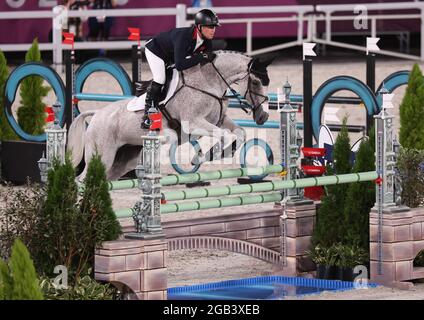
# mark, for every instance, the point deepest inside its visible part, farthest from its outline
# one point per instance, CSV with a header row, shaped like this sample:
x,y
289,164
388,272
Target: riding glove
x,y
208,57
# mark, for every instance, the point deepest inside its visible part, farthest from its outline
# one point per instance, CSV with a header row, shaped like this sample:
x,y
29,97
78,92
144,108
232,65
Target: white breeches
x,y
157,66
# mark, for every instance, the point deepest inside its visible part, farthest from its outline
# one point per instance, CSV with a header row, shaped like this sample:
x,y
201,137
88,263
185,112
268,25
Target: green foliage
x,y
85,288
411,134
19,216
60,224
329,227
96,208
360,199
31,114
338,254
6,131
19,279
410,164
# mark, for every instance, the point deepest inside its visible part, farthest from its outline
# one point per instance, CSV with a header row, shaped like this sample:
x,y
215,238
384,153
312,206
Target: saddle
x,y
168,90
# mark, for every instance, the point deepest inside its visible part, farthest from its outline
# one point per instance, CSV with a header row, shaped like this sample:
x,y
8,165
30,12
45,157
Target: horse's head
x,y
255,92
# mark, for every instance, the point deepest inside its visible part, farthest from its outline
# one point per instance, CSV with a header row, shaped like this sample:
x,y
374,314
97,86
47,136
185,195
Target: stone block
x,y
155,260
271,242
135,261
388,233
403,233
239,235
260,232
177,232
121,244
417,231
130,278
242,225
156,295
305,226
388,272
403,270
291,228
269,221
207,228
391,252
106,264
154,280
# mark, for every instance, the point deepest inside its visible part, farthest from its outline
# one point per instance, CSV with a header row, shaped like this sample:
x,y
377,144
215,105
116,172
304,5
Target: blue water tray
x,y
258,288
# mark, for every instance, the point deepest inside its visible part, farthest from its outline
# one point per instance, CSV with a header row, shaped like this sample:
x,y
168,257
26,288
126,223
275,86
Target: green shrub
x,y
31,114
6,131
410,164
19,279
360,199
85,288
58,226
96,208
411,110
329,227
19,216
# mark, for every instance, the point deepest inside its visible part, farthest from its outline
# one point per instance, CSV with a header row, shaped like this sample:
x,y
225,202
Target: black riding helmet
x,y
206,17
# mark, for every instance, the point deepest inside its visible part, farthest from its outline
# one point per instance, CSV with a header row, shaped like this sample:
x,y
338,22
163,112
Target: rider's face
x,y
208,32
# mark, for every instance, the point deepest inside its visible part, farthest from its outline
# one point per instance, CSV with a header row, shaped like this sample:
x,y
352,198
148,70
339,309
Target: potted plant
x,y
349,257
326,260
317,254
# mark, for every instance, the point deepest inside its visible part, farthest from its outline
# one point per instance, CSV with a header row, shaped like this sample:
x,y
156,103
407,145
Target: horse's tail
x,y
76,139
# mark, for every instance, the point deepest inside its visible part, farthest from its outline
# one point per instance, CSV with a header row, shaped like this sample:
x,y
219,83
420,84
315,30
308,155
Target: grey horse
x,y
115,133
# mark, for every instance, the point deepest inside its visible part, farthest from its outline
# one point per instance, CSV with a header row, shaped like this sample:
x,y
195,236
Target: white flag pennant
x,y
308,49
372,44
387,100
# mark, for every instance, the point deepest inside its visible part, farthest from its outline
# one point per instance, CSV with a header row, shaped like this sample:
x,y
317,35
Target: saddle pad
x,y
138,103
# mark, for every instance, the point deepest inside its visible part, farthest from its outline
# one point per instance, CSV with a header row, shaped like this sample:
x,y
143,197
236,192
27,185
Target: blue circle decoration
x,y
172,154
106,65
260,143
11,87
331,86
391,83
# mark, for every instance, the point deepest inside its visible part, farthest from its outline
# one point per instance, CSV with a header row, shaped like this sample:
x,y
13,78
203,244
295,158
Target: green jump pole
x,y
267,186
256,199
175,179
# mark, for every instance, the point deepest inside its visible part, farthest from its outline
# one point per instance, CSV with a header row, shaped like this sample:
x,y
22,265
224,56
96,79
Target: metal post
x,y
307,102
58,19
385,167
55,144
71,103
371,85
289,140
147,211
136,65
283,229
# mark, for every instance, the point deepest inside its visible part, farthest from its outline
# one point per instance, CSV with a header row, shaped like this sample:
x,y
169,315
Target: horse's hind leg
x,y
126,160
107,152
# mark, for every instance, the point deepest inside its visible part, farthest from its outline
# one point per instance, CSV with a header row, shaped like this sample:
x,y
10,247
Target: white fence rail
x,y
302,15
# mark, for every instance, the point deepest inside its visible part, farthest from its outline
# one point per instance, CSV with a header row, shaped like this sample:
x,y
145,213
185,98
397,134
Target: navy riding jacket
x,y
177,46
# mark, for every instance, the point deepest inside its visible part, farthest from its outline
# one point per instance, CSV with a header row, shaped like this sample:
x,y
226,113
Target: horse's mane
x,y
232,52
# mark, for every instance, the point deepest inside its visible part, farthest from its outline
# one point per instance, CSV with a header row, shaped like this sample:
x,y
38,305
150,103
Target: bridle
x,y
242,101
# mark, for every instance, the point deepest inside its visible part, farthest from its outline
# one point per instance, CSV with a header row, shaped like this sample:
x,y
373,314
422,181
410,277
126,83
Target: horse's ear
x,y
268,61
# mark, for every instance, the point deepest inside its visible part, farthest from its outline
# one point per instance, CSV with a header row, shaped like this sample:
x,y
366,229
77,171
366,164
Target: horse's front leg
x,y
240,136
201,127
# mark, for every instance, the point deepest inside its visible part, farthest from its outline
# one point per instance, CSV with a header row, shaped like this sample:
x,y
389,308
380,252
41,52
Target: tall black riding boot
x,y
152,100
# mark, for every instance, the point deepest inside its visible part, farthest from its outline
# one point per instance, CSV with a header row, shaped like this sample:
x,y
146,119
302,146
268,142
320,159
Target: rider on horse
x,y
186,47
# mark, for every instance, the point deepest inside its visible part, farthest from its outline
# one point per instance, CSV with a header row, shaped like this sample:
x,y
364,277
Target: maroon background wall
x,y
18,31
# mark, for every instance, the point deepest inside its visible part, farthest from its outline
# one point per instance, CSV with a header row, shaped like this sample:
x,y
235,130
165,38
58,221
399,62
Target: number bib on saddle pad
x,y
138,103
